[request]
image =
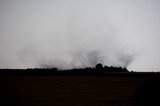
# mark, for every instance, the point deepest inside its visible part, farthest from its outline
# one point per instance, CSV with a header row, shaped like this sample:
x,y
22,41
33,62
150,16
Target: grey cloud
x,y
73,33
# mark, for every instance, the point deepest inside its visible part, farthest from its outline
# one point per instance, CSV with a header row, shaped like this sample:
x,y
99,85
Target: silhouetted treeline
x,y
42,71
47,71
99,68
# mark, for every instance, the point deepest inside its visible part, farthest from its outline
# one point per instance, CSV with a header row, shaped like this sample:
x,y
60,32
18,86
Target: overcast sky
x,y
80,33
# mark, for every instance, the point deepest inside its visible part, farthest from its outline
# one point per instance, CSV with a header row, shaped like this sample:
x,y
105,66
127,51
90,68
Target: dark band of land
x,y
97,86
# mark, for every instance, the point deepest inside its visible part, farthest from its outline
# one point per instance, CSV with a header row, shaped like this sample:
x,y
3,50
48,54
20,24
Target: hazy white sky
x,y
80,33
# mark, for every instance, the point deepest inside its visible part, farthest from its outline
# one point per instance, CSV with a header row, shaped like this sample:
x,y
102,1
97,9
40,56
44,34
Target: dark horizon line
x,y
97,68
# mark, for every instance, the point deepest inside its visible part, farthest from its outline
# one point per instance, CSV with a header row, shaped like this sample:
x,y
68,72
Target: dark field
x,y
88,90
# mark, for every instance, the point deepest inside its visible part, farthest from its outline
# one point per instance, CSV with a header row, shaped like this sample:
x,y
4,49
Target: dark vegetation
x,y
98,69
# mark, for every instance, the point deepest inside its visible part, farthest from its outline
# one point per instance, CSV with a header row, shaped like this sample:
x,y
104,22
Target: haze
x,y
80,33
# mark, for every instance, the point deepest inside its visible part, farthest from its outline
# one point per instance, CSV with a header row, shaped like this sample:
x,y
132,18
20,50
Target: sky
x,y
80,33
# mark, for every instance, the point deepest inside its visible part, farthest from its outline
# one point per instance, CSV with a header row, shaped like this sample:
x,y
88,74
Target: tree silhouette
x,y
99,66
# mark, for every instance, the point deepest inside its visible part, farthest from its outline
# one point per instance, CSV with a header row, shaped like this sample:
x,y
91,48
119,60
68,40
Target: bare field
x,y
70,90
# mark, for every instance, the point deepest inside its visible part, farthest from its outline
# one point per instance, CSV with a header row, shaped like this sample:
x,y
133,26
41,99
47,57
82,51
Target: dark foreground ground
x,y
107,89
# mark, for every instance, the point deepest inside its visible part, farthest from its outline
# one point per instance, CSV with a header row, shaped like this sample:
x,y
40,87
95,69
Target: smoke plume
x,y
79,33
